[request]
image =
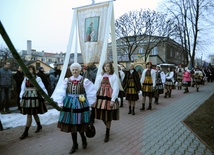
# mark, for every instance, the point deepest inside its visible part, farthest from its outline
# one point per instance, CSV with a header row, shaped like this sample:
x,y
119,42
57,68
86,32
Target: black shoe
x,y
107,135
155,102
24,135
121,105
38,128
84,142
149,107
106,138
84,145
130,110
133,113
143,106
197,89
73,149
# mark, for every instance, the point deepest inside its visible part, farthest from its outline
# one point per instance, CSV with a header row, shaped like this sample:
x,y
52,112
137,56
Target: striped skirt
x,y
31,103
186,83
159,88
169,84
75,115
198,81
131,94
102,113
101,109
147,87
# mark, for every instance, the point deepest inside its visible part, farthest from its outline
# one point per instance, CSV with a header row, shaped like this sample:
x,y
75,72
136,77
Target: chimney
x,y
29,49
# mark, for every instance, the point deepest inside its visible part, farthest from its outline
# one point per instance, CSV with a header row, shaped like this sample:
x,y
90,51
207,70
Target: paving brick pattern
x,y
164,133
156,132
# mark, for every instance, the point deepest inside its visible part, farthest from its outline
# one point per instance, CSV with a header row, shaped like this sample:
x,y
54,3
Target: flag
x,y
91,31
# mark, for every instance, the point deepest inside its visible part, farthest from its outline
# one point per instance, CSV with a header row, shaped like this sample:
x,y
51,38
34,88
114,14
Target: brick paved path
x,y
156,132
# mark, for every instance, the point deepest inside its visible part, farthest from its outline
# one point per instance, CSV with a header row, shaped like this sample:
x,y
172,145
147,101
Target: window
x,y
37,65
141,50
170,53
154,51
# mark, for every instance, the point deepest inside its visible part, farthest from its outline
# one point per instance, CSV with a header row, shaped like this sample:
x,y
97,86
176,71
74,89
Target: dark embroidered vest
x,y
76,87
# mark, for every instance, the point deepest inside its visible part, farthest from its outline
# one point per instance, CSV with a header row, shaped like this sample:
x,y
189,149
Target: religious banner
x,y
91,31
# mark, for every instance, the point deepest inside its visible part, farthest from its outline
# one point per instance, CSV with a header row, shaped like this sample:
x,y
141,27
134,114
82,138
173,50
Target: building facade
x,y
162,50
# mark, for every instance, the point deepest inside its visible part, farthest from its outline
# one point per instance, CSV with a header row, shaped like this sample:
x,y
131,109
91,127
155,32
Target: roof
x,y
32,62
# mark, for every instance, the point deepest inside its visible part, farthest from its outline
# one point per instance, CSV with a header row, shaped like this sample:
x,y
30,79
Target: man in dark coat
x,y
44,77
6,86
90,72
18,77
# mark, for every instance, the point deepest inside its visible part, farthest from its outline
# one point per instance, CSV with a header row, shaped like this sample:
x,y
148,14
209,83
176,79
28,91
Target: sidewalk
x,y
156,132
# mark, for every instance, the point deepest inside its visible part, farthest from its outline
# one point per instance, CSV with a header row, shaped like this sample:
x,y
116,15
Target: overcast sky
x,y
47,23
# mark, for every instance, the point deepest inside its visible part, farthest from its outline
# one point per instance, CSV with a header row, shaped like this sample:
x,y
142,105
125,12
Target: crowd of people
x,y
84,96
155,81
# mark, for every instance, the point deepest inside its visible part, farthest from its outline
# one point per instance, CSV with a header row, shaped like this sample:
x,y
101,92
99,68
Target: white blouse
x,y
38,80
114,82
60,93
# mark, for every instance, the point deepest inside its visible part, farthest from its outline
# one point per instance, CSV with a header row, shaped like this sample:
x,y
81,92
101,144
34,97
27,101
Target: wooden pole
x,y
24,68
1,127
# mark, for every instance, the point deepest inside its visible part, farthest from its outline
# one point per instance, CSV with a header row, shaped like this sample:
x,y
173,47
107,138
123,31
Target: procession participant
x,y
179,71
169,83
31,102
198,75
148,83
132,87
75,95
106,107
160,80
186,82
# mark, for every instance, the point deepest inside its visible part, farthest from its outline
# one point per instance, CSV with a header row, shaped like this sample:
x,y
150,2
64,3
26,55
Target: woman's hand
x,y
112,104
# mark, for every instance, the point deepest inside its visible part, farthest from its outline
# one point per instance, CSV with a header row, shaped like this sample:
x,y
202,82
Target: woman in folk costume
x,y
148,83
75,95
160,80
131,85
169,83
198,75
106,107
179,72
186,82
31,102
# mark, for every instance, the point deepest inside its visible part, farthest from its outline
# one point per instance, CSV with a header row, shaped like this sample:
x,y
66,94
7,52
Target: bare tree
x,y
4,54
190,17
143,28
